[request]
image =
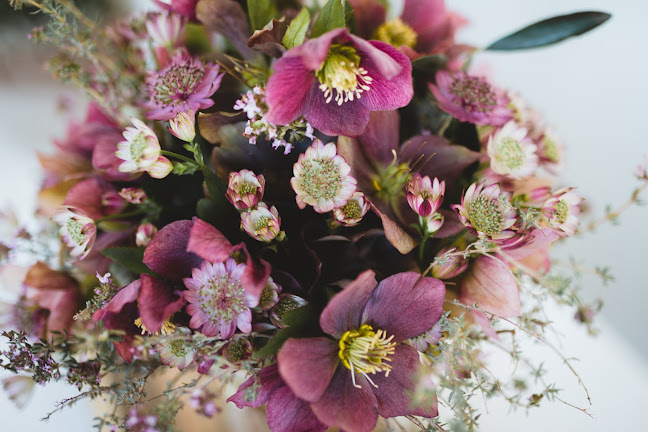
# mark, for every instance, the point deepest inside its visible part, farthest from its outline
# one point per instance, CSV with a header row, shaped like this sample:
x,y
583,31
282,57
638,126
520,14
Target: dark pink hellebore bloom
x,y
299,84
402,306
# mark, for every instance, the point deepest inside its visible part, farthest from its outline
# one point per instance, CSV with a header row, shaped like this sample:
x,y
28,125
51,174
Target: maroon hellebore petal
x,y
228,18
396,235
369,15
286,90
269,381
344,311
157,302
128,294
167,254
491,285
86,195
307,365
209,243
350,408
349,119
405,305
394,392
124,321
255,275
287,413
379,141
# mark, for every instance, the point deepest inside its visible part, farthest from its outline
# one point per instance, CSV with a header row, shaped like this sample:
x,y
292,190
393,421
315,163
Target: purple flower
x,y
471,99
365,370
336,80
185,83
218,301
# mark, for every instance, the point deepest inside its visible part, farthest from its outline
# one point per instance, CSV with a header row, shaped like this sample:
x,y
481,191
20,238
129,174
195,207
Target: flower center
x,y
396,33
262,222
551,150
485,216
222,299
473,94
167,327
341,72
177,348
366,352
177,83
562,210
321,178
509,152
137,146
352,209
75,231
246,188
389,182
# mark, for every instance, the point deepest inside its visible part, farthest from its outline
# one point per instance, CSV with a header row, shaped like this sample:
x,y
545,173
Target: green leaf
x,y
429,65
330,17
301,322
550,31
260,13
296,32
129,257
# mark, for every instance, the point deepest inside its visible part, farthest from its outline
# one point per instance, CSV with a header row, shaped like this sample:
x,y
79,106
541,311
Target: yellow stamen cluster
x,y
167,328
366,352
396,33
341,73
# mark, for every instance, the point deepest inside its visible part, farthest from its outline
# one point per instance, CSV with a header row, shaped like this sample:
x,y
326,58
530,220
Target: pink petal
x,y
369,15
287,89
396,235
167,253
86,195
344,311
405,305
307,365
287,413
269,381
491,285
157,302
255,276
128,294
349,119
537,241
209,243
380,138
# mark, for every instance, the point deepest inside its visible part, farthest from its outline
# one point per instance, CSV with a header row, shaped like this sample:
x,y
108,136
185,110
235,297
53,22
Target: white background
x,y
592,89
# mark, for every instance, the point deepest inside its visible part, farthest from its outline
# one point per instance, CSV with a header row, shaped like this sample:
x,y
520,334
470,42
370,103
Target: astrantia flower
x,y
78,231
471,99
262,223
424,195
184,126
176,353
270,295
550,150
218,302
352,212
133,195
141,149
245,189
185,83
433,223
512,153
487,212
366,370
562,210
336,80
161,168
164,28
321,178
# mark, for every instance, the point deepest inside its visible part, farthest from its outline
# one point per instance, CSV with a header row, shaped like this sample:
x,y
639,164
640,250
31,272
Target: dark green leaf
x,y
302,322
551,31
297,29
330,17
429,65
129,257
207,210
260,13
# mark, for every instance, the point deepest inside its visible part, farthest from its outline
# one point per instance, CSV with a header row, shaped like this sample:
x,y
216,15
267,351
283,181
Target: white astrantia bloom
x,y
165,29
141,149
184,126
512,152
562,210
78,230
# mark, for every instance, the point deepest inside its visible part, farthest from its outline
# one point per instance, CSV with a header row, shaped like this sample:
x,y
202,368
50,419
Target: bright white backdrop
x,y
592,89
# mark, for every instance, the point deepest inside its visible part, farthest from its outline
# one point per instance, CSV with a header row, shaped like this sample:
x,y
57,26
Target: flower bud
x,y
245,189
144,234
161,168
433,223
184,126
133,195
448,266
352,212
425,196
262,223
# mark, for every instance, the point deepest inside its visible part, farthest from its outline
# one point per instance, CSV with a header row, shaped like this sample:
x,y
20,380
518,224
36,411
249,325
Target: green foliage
x,y
301,322
330,17
550,31
261,12
296,32
129,257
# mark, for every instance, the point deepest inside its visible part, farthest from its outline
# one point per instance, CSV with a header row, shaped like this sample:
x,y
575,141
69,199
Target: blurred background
x,y
593,91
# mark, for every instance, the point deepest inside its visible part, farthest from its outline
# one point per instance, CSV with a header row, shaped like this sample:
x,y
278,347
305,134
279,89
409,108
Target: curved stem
x,y
179,156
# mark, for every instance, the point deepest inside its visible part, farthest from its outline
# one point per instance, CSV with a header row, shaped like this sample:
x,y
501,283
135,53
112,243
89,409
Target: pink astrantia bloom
x,y
352,212
366,370
133,195
487,212
144,234
336,80
218,301
245,189
78,230
141,149
471,99
176,353
562,210
184,126
424,195
512,153
321,178
165,29
185,83
262,223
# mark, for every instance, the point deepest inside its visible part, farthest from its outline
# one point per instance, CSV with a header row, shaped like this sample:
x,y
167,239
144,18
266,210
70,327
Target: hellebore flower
x,y
285,411
336,80
365,370
185,83
512,153
471,99
561,210
245,189
321,178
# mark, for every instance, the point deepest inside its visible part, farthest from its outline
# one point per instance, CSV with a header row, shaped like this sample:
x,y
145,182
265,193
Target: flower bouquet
x,y
319,208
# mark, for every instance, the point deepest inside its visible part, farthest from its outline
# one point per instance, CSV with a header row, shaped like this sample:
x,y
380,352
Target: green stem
x,y
120,216
421,253
179,156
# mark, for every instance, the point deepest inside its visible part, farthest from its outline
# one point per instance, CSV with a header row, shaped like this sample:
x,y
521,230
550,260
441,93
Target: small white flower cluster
x,y
253,104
